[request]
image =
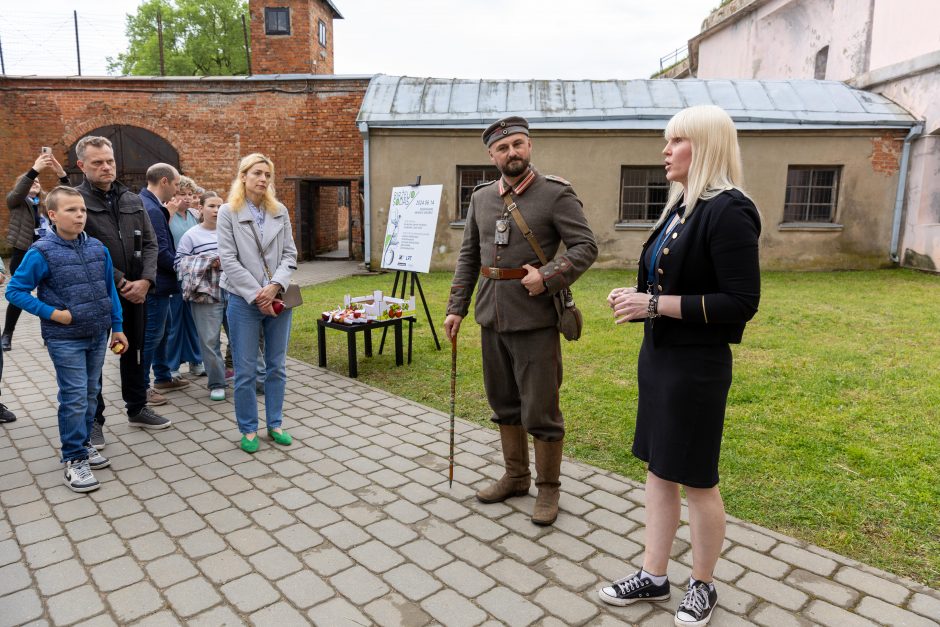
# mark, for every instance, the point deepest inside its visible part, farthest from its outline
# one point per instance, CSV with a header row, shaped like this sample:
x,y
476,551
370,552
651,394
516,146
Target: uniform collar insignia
x,y
520,187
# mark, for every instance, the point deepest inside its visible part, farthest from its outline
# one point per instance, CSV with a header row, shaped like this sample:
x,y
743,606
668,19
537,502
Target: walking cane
x,y
453,402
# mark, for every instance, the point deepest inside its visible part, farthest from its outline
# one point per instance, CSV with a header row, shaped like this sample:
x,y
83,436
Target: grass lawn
x,y
833,427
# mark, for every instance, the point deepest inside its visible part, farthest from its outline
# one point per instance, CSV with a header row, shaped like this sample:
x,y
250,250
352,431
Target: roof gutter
x,y
366,196
916,130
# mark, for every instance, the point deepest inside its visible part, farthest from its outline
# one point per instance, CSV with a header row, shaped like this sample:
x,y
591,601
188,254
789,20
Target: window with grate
x,y
643,193
321,32
811,194
276,21
469,177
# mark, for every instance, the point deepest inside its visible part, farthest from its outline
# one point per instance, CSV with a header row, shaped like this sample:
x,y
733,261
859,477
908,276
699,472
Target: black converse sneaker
x,y
78,476
636,587
696,608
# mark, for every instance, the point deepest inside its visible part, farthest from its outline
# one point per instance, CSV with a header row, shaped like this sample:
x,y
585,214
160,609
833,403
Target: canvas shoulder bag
x,y
570,320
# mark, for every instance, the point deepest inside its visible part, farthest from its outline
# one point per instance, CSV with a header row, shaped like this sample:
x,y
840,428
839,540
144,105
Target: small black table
x,y
366,330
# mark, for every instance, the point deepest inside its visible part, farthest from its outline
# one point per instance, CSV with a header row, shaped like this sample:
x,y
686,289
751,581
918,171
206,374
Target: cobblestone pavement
x,y
354,525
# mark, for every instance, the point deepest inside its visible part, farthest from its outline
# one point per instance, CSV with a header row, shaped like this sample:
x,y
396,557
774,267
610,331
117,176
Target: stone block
x,y
74,605
335,612
359,585
465,579
191,596
249,593
171,569
509,607
116,574
571,608
450,608
305,589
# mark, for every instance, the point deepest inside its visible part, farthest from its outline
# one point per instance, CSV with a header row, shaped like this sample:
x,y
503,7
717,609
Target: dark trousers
x,y
13,312
133,387
522,374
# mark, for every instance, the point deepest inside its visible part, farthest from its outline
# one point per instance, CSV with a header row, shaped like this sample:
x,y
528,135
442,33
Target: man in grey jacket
x,y
516,310
117,218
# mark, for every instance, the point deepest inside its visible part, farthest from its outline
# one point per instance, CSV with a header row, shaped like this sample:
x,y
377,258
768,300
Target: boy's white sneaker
x,y
96,461
78,476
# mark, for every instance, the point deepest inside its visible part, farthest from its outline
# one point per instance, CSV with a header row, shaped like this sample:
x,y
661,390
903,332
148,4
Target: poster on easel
x,y
412,225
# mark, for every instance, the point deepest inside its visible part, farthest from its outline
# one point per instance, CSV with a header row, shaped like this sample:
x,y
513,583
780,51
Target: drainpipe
x,y
917,129
367,205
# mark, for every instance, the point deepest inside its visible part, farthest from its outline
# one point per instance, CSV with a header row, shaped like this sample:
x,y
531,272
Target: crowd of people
x,y
163,274
164,271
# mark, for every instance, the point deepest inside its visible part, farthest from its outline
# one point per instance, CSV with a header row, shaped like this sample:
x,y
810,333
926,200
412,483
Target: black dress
x,y
684,367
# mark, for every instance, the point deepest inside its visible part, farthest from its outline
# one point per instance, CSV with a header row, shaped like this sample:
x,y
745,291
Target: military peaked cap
x,y
503,128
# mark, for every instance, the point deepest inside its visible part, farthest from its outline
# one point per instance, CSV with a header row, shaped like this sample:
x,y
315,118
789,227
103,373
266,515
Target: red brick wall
x,y
307,127
297,53
886,153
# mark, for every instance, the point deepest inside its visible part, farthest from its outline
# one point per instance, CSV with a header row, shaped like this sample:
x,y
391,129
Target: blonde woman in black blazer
x,y
698,284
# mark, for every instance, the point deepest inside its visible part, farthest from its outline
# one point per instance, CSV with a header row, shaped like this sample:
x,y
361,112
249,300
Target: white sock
x,y
658,580
711,584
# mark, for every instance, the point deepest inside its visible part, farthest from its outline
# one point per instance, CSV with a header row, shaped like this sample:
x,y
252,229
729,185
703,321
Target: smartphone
x,y
46,150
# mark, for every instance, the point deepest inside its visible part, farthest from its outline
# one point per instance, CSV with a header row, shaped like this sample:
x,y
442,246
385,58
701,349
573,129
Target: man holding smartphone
x,y
27,218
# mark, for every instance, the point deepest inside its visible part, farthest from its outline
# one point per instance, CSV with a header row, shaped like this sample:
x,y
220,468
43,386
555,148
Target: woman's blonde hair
x,y
236,195
716,156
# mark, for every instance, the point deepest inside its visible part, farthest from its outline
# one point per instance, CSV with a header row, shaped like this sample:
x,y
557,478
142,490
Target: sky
x,y
520,39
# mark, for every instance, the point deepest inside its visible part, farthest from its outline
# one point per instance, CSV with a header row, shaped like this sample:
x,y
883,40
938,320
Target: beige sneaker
x,y
172,384
154,398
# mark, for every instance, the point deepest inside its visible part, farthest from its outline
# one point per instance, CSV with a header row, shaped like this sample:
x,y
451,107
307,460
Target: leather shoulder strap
x,y
513,210
264,263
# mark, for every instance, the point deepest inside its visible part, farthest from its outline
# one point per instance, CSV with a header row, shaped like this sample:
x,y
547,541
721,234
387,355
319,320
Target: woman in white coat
x,y
256,247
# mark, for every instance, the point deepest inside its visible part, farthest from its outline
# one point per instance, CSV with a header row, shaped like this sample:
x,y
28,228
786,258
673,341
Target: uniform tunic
x,y
684,369
522,367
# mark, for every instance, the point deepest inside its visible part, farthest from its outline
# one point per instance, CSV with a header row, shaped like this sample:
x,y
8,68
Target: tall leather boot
x,y
548,469
517,478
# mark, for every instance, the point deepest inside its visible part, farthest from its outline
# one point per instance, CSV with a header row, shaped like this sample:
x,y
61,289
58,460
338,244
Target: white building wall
x,y
891,47
904,29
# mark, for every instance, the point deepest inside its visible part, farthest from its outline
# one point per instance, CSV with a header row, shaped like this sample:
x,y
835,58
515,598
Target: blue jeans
x,y
247,324
78,365
208,320
155,340
182,338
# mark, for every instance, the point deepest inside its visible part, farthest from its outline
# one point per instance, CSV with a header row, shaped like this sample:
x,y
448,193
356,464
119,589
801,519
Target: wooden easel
x,y
402,275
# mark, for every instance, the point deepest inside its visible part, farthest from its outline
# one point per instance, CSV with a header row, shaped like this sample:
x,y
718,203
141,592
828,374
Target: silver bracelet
x,y
652,309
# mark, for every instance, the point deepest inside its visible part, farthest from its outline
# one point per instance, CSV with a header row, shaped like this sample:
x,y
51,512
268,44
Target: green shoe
x,y
283,438
249,446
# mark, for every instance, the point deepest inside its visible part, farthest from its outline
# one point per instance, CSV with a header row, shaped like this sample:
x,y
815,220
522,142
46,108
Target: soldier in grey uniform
x,y
522,368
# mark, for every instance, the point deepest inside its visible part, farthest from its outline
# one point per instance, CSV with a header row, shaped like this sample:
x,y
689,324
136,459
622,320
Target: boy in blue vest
x,y
77,306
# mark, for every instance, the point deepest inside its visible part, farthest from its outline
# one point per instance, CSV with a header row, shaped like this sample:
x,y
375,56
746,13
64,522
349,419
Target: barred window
x,y
811,194
643,193
469,177
276,21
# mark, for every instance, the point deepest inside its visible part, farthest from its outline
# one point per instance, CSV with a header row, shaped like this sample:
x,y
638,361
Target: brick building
x,y
305,120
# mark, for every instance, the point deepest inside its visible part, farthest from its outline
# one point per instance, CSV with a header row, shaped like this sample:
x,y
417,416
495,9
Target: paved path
x,y
354,525
313,272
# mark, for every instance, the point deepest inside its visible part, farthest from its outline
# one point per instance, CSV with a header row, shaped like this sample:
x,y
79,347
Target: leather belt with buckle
x,y
501,274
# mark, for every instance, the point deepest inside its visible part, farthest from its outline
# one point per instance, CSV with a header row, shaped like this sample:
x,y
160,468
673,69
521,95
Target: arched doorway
x,y
135,150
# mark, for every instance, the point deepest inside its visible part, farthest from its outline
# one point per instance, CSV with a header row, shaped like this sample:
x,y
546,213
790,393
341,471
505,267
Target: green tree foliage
x,y
200,37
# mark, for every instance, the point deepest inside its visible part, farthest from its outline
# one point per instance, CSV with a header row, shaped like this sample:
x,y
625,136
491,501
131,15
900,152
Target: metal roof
x,y
404,101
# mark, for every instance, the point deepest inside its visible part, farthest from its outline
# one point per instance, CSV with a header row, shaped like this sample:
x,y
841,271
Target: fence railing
x,y
674,57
